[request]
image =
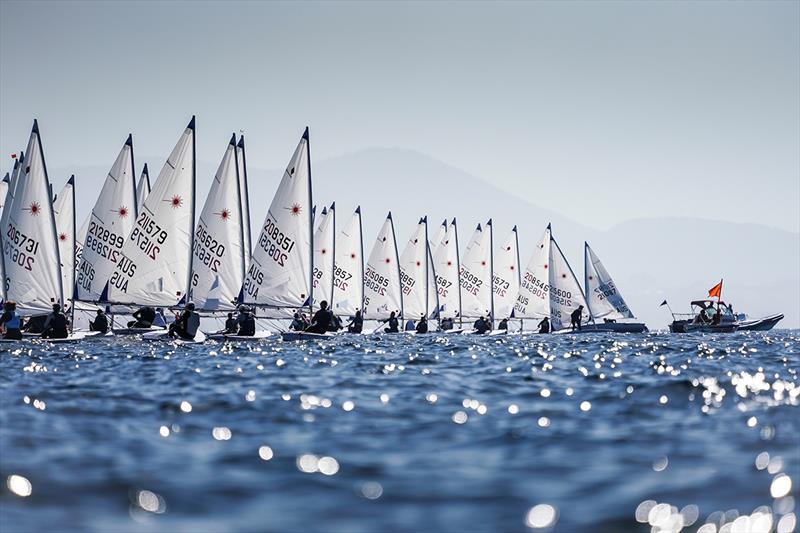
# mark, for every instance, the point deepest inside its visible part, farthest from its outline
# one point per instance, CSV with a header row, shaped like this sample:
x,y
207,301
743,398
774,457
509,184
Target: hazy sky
x,y
602,111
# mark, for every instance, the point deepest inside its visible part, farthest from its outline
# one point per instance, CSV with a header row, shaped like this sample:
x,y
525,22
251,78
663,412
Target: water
x,y
456,433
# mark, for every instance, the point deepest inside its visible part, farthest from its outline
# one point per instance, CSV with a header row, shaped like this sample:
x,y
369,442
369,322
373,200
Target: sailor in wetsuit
x,y
55,327
322,319
446,324
481,326
503,324
394,325
422,325
187,324
356,323
100,322
575,318
246,321
144,317
544,325
11,321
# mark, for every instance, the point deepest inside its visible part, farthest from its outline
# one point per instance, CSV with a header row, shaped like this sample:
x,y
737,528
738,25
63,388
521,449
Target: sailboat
x,y
448,279
348,269
417,277
143,186
31,255
64,211
279,277
507,277
382,293
324,254
155,262
604,299
218,266
477,271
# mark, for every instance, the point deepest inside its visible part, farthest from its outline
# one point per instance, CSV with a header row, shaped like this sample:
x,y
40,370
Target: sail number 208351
x,y
275,243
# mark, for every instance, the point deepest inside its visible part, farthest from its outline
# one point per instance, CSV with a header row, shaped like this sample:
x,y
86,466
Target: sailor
x,y
186,324
246,322
160,320
446,324
503,324
481,326
55,327
11,321
336,323
393,324
231,324
356,323
322,319
299,322
100,322
575,318
410,325
544,325
422,325
144,317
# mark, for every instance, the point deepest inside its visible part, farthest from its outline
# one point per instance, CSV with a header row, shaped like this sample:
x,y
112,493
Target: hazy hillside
x,y
651,259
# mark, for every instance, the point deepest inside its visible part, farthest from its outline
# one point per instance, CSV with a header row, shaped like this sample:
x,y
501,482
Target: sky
x,y
602,111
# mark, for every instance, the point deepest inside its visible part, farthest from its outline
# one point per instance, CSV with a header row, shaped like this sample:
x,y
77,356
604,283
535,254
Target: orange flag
x,y
716,290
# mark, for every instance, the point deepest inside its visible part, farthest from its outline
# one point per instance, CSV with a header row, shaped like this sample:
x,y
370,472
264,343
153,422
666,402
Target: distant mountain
x,y
650,259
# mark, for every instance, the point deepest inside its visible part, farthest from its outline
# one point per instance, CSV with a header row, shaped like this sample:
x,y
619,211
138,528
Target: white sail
x,y
565,291
3,193
279,274
324,250
348,271
30,247
112,219
437,238
506,277
241,159
4,190
602,295
476,275
382,294
218,261
446,264
533,300
7,198
143,187
155,260
64,211
417,279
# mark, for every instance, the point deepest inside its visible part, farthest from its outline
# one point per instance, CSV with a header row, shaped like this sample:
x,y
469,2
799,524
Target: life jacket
x,y
14,322
192,323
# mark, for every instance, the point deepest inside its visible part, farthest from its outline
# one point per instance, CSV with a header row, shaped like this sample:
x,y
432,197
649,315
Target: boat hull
x,y
305,336
760,324
686,326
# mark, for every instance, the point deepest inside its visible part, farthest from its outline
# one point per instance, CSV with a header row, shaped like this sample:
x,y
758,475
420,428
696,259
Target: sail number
x,y
341,278
148,236
470,282
375,282
406,282
275,243
103,242
501,286
20,248
207,249
443,286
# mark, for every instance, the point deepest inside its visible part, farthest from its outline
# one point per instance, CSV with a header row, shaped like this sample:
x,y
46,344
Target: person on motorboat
x,y
55,327
481,326
231,324
11,321
446,324
356,323
575,318
503,324
144,317
544,325
322,319
394,324
422,325
100,322
246,322
186,324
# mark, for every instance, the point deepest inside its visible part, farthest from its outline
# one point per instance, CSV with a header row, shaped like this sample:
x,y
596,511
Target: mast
x,y
246,198
52,214
519,271
427,266
491,270
310,226
458,270
397,262
240,196
332,211
361,240
74,264
191,126
129,142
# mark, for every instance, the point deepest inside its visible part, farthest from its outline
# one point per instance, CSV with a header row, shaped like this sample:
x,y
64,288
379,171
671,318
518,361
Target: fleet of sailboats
x,y
143,247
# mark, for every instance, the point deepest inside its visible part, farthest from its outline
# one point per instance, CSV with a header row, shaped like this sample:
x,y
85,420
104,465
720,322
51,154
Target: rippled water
x,y
456,433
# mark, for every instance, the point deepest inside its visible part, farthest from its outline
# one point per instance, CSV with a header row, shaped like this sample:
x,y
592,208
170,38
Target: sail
x,y
155,261
7,197
437,238
565,291
476,286
324,250
382,293
64,211
533,300
30,247
3,192
218,252
348,271
445,262
605,300
506,277
417,280
112,219
279,274
143,187
241,159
